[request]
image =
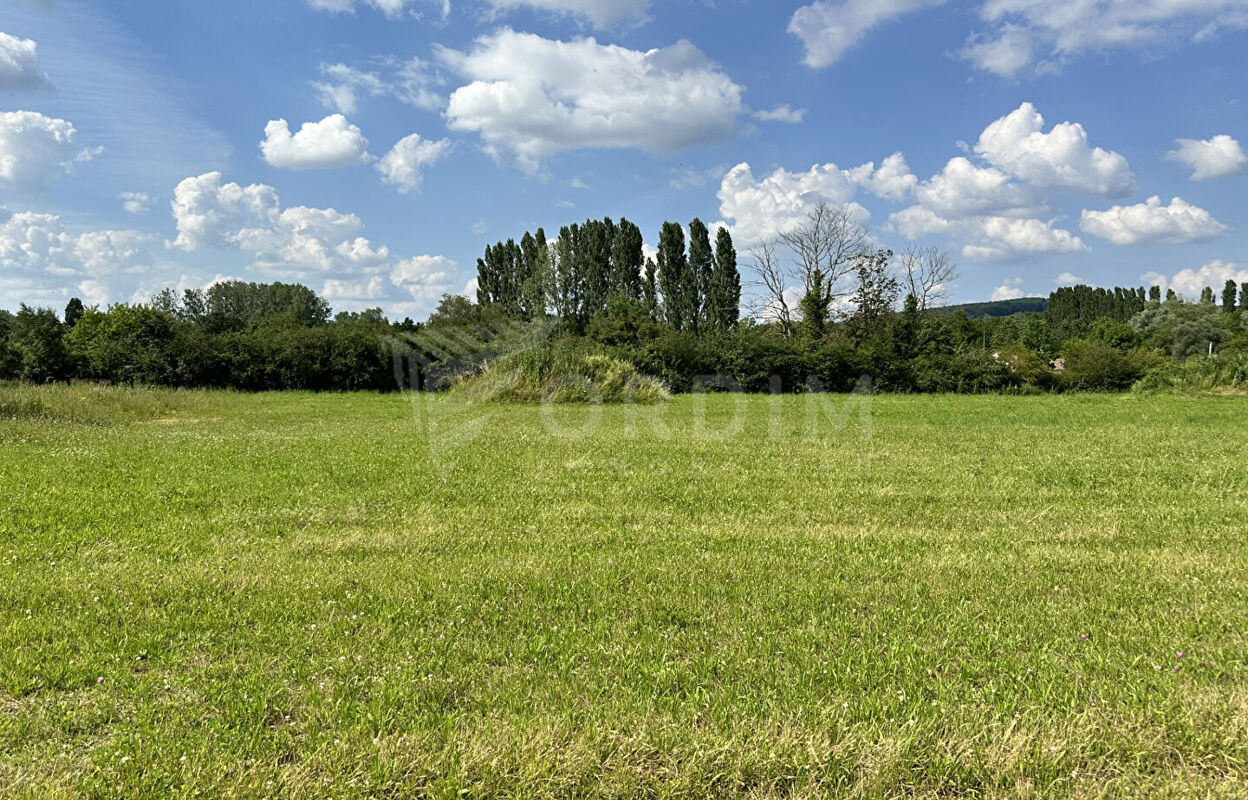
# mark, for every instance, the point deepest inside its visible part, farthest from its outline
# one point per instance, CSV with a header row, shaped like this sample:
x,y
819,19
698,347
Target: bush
x,y
561,371
1093,366
1221,373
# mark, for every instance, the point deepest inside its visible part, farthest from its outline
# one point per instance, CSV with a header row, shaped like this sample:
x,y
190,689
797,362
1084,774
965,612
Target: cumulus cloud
x,y
136,203
393,9
402,165
19,64
781,113
600,13
303,243
829,29
1151,221
1068,279
1210,158
1191,282
1059,159
778,203
425,278
963,189
1050,32
996,210
34,149
332,142
533,97
1011,289
37,252
413,82
892,181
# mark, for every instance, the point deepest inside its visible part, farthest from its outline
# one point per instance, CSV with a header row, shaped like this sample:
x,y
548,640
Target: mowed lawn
x,y
295,595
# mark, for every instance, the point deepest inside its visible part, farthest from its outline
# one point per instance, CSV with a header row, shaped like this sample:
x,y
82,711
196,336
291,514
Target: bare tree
x,y
827,243
926,274
773,278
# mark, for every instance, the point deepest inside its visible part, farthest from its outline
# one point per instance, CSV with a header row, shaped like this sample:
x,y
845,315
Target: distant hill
x,y
998,308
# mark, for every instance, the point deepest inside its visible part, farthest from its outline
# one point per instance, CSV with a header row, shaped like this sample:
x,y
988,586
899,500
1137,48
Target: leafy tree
x,y
675,279
627,261
243,305
126,344
724,295
1243,296
1206,296
701,269
38,337
814,306
874,295
74,310
649,289
1229,293
1154,294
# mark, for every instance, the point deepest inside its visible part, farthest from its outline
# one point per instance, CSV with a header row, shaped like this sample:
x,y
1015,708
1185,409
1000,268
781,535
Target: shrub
x,y
1220,373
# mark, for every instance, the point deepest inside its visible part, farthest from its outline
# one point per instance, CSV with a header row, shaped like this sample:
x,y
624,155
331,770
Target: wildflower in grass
x,y
1179,654
99,679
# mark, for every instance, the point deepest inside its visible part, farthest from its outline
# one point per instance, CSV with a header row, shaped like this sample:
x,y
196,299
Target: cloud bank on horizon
x,y
438,121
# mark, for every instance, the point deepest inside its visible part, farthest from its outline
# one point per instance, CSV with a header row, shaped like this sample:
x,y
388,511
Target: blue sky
x,y
149,144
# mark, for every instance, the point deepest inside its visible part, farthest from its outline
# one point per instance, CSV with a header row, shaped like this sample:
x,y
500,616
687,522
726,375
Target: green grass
x,y
217,595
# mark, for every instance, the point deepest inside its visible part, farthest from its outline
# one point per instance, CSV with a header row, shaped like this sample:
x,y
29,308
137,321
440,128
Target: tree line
x,y
822,307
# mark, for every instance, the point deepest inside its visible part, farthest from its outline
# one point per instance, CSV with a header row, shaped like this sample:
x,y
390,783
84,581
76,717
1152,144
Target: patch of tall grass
x,y
560,372
97,404
1220,374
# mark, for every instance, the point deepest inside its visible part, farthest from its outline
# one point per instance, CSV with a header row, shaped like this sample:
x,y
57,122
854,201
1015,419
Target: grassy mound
x,y
1221,374
557,373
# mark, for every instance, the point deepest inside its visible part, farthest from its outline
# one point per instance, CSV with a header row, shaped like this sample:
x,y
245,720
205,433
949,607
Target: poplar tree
x,y
626,261
701,267
725,293
673,275
650,292
1229,293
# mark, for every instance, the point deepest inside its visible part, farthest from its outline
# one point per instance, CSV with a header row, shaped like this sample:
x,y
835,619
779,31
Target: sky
x,y
371,149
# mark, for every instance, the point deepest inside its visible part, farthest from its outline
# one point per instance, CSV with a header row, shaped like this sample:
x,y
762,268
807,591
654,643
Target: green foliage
x,y
237,305
37,338
126,344
74,310
560,371
1073,310
676,282
1181,329
724,295
1095,366
1220,374
814,307
701,269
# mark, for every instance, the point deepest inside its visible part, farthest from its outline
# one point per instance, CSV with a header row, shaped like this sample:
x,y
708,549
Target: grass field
x,y
216,595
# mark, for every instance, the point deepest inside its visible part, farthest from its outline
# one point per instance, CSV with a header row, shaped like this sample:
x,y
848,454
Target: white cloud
x,y
413,82
1068,279
332,142
1191,282
892,181
293,241
425,278
136,203
1055,31
534,97
34,149
402,165
601,13
1151,221
1059,159
1006,55
1210,158
778,203
781,113
829,29
394,9
989,238
19,64
37,252
1011,289
372,288
963,189
480,227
